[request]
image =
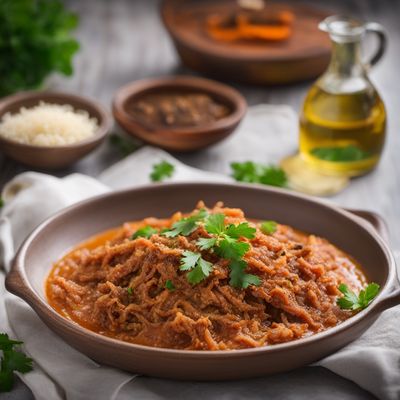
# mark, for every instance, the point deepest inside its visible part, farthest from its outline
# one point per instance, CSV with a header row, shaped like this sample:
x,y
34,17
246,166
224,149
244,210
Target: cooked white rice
x,y
49,125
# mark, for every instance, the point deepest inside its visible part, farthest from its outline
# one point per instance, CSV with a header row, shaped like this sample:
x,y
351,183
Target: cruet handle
x,y
377,29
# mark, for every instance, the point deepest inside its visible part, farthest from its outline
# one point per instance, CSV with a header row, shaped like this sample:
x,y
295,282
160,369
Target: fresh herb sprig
x,y
269,227
225,242
124,145
252,172
161,171
238,278
198,267
146,232
12,360
169,285
35,41
186,226
350,300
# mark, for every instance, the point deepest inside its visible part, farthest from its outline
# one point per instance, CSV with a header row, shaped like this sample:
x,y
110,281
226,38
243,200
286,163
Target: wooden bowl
x,y
305,55
181,139
53,157
71,226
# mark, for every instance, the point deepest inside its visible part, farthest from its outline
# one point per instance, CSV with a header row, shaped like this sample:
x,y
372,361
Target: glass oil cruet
x,y
343,121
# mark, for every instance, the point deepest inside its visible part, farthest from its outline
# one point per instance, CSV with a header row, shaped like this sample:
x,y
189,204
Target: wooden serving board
x,y
304,55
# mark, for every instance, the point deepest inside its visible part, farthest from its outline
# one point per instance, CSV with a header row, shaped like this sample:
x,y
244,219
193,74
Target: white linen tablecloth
x,y
372,361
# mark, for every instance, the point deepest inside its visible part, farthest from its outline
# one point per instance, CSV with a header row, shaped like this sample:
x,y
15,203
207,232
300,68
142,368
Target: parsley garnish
x,y
350,301
124,145
145,232
252,172
339,154
187,225
206,243
232,249
269,227
238,278
11,361
169,285
224,241
161,171
130,291
1,202
226,244
198,267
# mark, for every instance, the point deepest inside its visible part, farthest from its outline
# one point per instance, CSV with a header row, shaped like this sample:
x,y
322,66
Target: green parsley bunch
x,y
35,40
12,360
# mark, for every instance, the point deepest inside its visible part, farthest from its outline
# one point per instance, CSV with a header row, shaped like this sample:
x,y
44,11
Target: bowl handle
x,y
391,300
15,282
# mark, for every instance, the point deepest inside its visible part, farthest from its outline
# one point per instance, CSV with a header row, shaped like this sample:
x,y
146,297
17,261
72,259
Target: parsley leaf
x,y
215,224
11,361
199,268
18,361
241,230
35,41
232,249
169,285
269,227
124,145
368,294
252,172
206,243
187,225
6,343
189,260
200,272
340,154
130,291
246,171
350,301
1,202
274,176
146,232
238,278
161,171
226,243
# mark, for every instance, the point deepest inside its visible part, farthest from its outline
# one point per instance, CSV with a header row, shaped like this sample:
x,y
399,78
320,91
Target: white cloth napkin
x,y
373,361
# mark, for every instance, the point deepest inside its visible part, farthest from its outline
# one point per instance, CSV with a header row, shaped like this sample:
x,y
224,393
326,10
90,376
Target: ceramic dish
x,y
305,55
182,138
71,226
60,156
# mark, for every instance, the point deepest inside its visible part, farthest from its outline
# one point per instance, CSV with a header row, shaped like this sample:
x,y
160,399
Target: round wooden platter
x,y
303,56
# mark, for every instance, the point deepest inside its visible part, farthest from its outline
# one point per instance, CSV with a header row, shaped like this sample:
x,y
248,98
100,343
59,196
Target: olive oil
x,y
343,121
342,133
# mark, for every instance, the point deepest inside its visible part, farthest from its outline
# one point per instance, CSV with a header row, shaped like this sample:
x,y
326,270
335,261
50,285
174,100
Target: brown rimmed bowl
x,y
181,139
60,156
58,234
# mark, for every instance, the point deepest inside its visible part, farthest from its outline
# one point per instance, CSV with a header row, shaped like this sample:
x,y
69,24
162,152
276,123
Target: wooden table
x,y
124,40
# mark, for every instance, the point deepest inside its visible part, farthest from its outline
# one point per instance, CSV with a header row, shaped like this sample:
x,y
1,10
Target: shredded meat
x,y
297,296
